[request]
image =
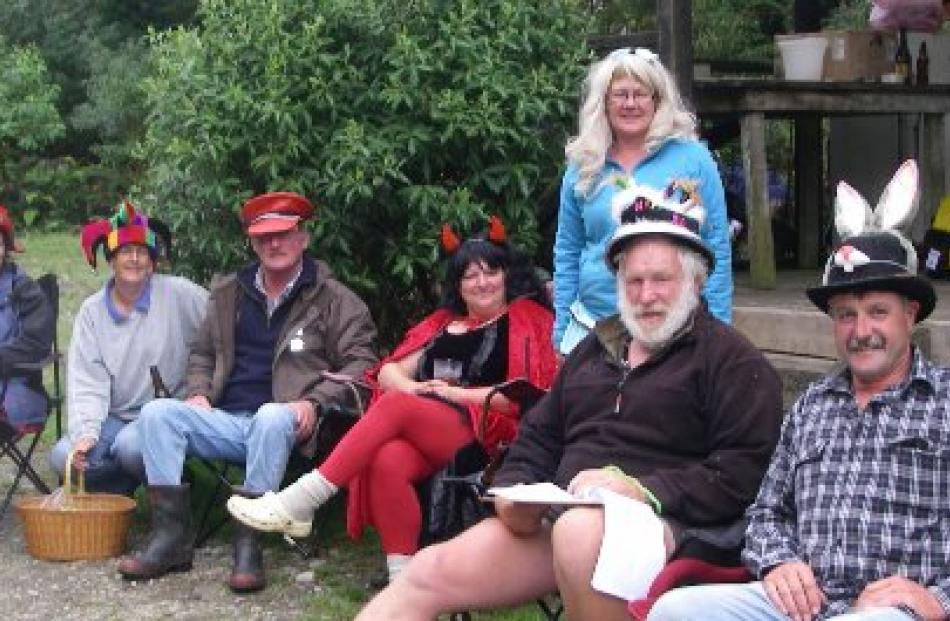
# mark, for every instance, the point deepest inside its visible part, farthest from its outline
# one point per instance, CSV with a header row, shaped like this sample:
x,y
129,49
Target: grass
x,y
348,566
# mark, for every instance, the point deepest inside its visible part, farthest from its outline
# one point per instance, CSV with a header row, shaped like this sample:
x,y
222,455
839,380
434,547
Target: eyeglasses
x,y
621,97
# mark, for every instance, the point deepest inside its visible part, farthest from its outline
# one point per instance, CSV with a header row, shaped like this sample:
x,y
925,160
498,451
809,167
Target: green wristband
x,y
650,496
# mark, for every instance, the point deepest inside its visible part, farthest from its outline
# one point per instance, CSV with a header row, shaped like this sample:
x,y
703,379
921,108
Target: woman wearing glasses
x,y
633,129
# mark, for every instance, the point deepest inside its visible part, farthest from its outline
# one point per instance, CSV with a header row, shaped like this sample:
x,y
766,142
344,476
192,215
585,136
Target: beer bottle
x,y
923,65
902,58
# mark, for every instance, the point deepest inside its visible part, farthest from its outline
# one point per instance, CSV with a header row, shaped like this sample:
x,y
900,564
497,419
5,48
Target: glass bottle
x,y
923,65
902,59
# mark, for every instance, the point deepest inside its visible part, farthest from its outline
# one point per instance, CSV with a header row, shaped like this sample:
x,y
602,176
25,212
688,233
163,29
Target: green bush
x,y
393,116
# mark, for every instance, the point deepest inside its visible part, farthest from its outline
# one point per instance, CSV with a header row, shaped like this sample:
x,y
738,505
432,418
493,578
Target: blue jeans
x,y
741,602
114,464
261,440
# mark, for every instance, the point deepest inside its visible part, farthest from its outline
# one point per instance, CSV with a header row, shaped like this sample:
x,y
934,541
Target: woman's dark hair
x,y
521,279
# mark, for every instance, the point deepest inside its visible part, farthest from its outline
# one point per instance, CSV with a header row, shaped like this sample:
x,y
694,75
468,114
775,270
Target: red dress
x,y
530,354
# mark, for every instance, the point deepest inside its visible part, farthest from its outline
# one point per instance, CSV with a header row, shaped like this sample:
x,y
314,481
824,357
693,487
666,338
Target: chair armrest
x,y
26,367
683,572
520,390
354,384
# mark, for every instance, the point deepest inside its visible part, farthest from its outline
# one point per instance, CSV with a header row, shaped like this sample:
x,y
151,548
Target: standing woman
x,y
634,129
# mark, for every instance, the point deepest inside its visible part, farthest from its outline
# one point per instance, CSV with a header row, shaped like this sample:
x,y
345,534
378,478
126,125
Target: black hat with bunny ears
x,y
873,254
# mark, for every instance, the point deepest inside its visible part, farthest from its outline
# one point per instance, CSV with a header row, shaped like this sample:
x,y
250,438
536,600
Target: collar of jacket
x,y
308,277
615,339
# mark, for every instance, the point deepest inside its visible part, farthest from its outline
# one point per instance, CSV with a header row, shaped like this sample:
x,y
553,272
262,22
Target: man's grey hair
x,y
695,267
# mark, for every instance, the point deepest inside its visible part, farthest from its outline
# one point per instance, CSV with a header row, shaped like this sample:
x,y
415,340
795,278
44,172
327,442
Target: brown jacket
x,y
337,330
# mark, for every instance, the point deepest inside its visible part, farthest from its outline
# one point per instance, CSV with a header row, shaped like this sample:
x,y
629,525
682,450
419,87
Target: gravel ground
x,y
44,590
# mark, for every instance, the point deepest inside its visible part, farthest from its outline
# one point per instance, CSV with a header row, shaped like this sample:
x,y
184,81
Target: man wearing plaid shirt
x,y
852,520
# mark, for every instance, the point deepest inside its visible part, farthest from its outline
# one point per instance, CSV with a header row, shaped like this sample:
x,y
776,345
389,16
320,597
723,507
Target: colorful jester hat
x,y
127,226
675,212
873,254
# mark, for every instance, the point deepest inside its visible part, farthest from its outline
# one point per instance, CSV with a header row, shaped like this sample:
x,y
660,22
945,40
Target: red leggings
x,y
399,441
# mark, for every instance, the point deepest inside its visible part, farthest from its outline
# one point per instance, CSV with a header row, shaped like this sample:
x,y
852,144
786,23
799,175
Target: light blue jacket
x,y
586,224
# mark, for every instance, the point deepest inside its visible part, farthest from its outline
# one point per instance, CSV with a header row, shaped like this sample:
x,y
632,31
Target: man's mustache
x,y
866,343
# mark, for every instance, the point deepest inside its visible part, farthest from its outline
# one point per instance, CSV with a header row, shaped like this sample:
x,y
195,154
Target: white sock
x,y
395,563
302,497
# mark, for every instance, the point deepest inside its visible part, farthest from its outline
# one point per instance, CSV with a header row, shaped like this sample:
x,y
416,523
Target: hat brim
x,y
626,234
267,226
912,287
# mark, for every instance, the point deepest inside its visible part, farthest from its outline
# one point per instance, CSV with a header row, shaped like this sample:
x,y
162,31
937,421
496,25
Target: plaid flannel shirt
x,y
860,496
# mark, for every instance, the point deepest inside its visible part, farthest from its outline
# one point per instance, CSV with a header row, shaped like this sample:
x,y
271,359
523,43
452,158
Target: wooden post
x,y
761,254
808,190
932,179
675,26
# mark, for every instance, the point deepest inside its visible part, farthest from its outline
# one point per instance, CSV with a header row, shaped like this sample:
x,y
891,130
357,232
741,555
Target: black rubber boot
x,y
247,574
170,545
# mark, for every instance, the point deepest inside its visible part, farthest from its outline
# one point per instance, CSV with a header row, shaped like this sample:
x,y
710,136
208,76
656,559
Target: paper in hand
x,y
539,493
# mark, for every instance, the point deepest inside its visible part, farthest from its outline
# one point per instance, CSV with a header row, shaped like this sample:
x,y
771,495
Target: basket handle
x,y
68,478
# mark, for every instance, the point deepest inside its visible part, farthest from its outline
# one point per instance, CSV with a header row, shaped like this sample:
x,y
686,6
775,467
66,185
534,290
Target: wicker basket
x,y
84,526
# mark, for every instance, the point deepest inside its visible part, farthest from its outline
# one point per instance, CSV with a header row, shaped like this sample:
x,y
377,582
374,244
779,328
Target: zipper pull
x,y
623,380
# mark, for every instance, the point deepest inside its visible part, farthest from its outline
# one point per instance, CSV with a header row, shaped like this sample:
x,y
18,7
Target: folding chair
x,y
11,435
50,286
475,475
333,423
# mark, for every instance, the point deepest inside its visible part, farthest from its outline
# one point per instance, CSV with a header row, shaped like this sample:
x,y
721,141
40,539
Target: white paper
x,y
632,552
540,493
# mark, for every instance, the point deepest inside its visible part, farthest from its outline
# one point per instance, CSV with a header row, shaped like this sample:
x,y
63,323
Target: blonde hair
x,y
671,119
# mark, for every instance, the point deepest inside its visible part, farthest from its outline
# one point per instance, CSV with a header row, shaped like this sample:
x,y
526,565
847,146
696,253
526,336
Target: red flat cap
x,y
274,212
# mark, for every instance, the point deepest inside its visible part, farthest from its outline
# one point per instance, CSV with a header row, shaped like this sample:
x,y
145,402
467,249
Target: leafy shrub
x,y
393,116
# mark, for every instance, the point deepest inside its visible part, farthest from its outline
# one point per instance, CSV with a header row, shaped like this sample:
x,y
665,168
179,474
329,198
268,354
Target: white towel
x,y
632,552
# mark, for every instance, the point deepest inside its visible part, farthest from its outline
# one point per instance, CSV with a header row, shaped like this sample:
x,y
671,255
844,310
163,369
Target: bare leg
x,y
484,567
576,539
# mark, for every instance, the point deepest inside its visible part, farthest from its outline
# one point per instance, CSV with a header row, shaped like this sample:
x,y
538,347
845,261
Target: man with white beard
x,y
663,413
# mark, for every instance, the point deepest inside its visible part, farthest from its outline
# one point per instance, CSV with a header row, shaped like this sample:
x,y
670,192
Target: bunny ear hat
x,y
874,255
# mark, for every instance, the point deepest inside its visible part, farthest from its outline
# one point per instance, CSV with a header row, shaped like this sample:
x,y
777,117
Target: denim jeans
x,y
742,602
114,464
261,440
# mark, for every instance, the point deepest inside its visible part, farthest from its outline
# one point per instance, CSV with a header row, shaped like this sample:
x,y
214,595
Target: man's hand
x,y
897,590
81,448
586,480
520,518
792,589
306,418
199,401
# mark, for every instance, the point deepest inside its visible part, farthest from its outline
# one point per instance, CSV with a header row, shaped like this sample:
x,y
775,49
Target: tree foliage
x,y
28,116
738,29
393,116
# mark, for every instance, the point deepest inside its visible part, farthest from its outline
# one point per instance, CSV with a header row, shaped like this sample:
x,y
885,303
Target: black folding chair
x,y
446,512
50,286
12,436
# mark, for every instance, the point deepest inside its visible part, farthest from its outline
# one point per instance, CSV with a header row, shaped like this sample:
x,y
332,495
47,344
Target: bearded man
x,y
663,414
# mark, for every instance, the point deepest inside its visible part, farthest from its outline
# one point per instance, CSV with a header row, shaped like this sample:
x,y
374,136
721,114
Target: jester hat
x,y
675,213
873,254
127,226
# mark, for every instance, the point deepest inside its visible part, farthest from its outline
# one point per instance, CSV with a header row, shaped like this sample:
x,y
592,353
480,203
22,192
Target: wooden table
x,y
752,100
